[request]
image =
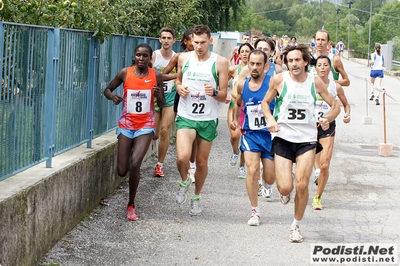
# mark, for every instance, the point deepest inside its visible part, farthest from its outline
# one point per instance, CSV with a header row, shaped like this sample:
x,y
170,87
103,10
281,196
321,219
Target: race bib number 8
x,y
138,102
256,117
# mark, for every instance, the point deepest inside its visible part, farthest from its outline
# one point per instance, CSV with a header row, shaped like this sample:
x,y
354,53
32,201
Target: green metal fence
x,y
52,90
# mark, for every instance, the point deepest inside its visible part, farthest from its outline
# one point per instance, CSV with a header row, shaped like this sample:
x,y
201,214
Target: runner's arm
x,y
222,68
118,80
322,90
159,90
181,89
238,106
338,65
274,85
346,106
171,65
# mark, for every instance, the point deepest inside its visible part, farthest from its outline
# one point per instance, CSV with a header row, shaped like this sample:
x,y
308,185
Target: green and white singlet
x,y
169,86
197,105
294,110
332,75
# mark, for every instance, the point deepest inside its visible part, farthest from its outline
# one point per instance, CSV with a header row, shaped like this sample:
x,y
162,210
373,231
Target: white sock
x,y
296,223
160,164
266,185
256,208
192,165
260,182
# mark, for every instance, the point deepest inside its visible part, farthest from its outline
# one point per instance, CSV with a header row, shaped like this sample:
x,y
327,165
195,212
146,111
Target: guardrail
x,y
396,63
51,94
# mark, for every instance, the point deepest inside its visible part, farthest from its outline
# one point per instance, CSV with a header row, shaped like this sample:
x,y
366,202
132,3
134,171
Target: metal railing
x,y
52,90
396,63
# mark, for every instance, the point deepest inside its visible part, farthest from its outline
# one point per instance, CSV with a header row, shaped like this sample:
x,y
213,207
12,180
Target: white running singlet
x,y
321,107
294,110
159,64
197,105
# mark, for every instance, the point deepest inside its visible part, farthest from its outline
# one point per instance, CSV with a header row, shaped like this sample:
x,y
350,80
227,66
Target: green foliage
x,y
105,17
303,18
396,48
218,14
300,18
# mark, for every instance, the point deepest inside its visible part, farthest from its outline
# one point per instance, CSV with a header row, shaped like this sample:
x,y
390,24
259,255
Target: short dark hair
x,y
323,57
166,29
201,29
302,48
187,35
268,40
144,45
258,52
245,44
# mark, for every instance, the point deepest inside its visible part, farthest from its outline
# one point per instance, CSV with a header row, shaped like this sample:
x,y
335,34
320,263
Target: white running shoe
x,y
191,172
181,195
234,159
254,219
285,199
242,172
196,207
261,190
267,192
295,236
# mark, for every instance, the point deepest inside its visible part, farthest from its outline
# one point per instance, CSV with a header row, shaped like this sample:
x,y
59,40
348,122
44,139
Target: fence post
x,y
384,149
91,90
1,41
51,90
367,120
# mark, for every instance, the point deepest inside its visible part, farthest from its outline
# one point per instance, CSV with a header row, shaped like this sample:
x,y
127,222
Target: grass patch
x,y
395,68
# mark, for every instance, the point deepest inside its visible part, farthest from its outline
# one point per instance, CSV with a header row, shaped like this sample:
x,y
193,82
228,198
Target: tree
x,y
105,17
218,14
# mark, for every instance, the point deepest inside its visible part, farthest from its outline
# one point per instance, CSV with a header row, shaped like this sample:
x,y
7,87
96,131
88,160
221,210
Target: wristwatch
x,y
215,93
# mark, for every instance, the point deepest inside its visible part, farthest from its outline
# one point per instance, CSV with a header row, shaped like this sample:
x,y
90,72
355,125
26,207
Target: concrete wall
x,y
223,47
40,205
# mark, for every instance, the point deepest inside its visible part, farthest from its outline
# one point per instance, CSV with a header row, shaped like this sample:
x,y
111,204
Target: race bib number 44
x,y
138,102
256,117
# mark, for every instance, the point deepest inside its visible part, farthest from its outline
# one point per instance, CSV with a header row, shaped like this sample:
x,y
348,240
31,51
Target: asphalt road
x,y
360,204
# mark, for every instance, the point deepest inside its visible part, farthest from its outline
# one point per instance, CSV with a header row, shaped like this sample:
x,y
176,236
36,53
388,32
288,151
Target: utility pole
x,y
337,22
348,35
369,35
320,14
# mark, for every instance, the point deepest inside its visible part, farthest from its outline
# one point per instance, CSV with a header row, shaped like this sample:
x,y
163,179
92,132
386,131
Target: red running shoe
x,y
158,171
131,214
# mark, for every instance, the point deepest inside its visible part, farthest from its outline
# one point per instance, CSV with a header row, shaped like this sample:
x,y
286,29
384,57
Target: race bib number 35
x,y
138,102
299,116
